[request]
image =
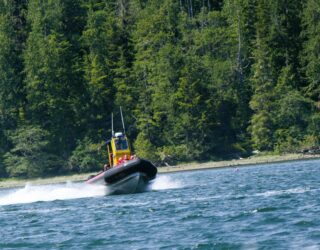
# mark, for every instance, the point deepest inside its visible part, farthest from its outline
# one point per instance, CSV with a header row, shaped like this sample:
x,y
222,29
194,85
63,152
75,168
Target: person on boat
x,y
125,158
118,144
106,167
124,144
120,161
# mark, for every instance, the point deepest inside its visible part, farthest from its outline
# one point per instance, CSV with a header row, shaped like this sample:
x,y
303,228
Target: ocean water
x,y
274,206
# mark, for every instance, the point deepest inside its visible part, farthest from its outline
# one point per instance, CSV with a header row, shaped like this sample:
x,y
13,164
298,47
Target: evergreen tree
x,y
11,68
195,78
123,82
275,72
87,157
101,42
170,110
311,64
241,16
154,70
10,77
311,49
292,114
212,41
30,156
263,82
11,87
48,67
285,39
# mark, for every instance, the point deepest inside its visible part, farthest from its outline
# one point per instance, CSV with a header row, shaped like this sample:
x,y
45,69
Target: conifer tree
x,y
11,87
98,41
11,68
311,50
123,82
194,78
263,81
30,156
156,69
241,16
213,45
276,76
311,65
48,67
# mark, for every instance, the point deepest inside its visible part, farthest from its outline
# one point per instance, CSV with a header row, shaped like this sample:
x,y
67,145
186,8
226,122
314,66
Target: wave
x,y
299,190
69,190
66,191
163,182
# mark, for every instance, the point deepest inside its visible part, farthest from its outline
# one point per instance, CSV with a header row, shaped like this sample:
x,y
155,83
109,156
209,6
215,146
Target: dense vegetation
x,y
196,79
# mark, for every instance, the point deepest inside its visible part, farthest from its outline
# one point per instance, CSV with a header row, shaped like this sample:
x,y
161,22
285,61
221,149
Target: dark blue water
x,y
263,207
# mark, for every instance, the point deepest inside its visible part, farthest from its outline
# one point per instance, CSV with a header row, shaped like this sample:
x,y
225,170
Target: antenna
x,y
112,125
124,129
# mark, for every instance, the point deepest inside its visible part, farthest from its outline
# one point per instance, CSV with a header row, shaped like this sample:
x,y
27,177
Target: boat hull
x,y
134,183
133,176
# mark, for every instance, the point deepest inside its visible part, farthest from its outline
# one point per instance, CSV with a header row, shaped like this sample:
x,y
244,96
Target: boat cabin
x,y
118,148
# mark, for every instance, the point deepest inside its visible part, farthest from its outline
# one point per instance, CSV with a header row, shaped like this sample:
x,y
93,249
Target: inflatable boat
x,y
133,176
125,172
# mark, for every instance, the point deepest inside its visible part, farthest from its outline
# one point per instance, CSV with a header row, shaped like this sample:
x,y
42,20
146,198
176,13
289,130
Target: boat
x,y
133,176
125,173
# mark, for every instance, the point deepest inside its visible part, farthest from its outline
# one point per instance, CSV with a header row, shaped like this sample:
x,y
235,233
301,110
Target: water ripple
x,y
262,207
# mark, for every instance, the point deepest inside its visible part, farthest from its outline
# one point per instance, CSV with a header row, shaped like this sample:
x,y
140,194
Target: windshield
x,y
121,144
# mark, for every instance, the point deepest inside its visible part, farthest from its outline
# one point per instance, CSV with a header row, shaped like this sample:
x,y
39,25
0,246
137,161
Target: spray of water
x,y
70,190
165,182
30,193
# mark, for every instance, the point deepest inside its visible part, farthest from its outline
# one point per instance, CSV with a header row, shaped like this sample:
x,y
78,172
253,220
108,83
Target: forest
x,y
197,80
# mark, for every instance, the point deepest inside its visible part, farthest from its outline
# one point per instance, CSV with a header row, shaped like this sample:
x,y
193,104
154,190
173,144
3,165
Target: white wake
x,y
163,182
299,190
67,191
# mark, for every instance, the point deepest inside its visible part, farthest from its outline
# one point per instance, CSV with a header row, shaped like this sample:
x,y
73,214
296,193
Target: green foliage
x,y
52,94
144,148
98,37
261,130
11,88
311,49
29,156
196,79
293,110
3,172
87,157
288,140
313,135
178,153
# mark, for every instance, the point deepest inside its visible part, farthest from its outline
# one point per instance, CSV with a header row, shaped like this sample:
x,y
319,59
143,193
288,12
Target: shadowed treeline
x,y
196,80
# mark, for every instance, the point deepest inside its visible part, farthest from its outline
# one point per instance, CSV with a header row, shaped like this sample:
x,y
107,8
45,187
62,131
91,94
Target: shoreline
x,y
254,160
250,161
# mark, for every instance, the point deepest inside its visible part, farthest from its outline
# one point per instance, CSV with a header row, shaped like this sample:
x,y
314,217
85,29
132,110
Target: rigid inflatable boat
x,y
132,176
125,172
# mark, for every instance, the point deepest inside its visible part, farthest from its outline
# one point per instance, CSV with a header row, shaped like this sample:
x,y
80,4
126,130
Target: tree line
x,y
197,80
